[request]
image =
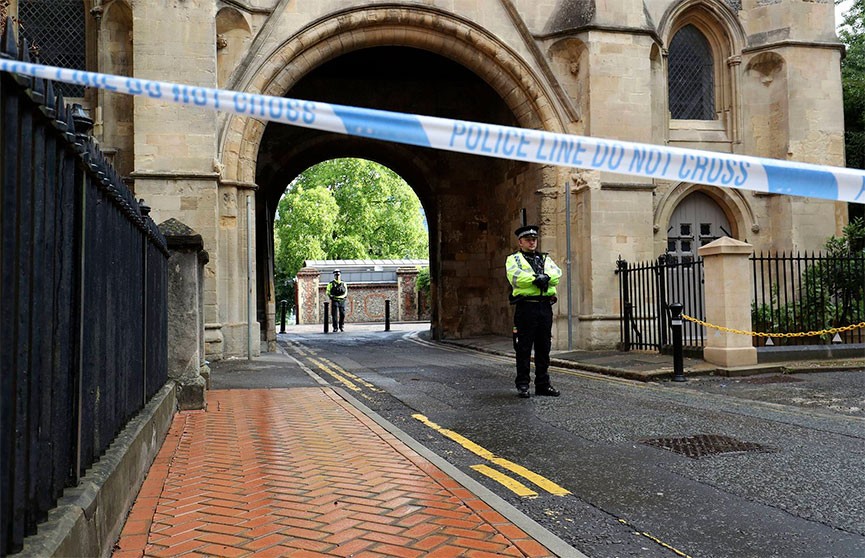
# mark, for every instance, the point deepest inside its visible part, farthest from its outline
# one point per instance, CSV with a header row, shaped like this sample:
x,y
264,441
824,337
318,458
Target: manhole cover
x,y
777,379
703,445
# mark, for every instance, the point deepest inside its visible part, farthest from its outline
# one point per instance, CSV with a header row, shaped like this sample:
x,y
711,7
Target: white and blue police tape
x,y
654,161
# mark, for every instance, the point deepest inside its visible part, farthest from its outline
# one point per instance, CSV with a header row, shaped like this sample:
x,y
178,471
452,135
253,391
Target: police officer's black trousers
x,y
534,324
337,312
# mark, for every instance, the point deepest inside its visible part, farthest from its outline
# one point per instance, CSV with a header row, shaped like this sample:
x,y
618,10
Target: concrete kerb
x,y
88,518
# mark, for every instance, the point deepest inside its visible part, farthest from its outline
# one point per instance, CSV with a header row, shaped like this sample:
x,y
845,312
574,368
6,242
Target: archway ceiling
x,y
389,78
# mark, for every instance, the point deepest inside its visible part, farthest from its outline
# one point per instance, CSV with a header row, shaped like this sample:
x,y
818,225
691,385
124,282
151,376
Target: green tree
x,y
852,33
345,209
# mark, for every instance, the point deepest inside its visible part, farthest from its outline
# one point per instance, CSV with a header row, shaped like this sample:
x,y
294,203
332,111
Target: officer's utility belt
x,y
535,298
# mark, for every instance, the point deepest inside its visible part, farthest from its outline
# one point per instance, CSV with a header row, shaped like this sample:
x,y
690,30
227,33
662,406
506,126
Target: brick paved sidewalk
x,y
302,472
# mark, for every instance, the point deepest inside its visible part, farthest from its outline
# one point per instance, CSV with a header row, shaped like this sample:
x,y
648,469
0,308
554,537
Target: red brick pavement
x,y
302,472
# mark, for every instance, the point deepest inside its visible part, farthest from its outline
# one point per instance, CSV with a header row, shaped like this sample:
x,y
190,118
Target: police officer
x,y
337,290
533,277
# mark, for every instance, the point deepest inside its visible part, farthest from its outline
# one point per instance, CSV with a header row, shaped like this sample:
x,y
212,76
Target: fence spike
x,y
24,55
50,99
60,112
70,126
10,42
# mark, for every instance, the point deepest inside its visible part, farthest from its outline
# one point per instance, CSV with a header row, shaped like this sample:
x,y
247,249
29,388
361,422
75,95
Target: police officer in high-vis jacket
x,y
533,277
337,290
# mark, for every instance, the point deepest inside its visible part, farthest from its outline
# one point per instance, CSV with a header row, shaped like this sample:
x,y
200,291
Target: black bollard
x,y
629,310
387,315
284,305
326,315
676,327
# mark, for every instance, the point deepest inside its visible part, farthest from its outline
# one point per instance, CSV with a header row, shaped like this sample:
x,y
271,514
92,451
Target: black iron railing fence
x,y
808,292
83,320
645,291
790,294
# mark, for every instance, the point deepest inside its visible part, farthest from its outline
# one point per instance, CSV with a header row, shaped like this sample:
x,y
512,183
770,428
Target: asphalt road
x,y
793,488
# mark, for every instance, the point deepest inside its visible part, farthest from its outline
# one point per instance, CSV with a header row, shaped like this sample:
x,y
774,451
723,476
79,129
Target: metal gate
x,y
645,292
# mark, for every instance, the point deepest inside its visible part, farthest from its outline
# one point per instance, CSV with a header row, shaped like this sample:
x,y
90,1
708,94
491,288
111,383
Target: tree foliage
x,y
852,33
346,209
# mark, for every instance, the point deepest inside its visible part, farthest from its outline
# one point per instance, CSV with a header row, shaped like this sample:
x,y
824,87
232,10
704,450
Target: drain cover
x,y
777,379
704,445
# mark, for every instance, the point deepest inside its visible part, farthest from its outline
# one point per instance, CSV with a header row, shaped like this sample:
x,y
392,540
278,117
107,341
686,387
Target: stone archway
x,y
423,28
466,245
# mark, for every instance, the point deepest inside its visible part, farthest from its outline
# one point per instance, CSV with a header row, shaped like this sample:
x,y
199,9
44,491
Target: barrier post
x,y
629,310
326,315
284,306
387,315
676,327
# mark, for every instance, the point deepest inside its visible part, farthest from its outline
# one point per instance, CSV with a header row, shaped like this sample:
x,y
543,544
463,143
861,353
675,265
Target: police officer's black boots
x,y
547,390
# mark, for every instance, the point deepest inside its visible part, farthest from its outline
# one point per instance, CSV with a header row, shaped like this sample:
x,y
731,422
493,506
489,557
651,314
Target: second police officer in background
x,y
533,277
337,290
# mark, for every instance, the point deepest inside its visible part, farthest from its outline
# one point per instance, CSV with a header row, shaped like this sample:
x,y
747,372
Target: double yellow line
x,y
508,482
342,375
356,385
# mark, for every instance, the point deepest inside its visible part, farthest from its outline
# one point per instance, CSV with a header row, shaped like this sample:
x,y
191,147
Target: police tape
x,y
654,161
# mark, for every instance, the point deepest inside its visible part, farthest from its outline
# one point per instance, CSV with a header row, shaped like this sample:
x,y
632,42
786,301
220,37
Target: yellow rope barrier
x,y
761,334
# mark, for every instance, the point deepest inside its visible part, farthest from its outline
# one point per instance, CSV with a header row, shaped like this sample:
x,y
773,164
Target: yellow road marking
x,y
354,377
461,440
345,381
301,349
514,486
543,482
537,479
656,540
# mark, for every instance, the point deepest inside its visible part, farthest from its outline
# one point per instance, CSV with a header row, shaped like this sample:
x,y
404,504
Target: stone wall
x,y
365,301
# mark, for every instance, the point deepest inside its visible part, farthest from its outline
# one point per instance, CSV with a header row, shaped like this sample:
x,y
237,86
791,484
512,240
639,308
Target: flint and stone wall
x,y
365,302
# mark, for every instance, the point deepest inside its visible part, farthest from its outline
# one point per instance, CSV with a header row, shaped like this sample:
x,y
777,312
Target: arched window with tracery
x,y
691,76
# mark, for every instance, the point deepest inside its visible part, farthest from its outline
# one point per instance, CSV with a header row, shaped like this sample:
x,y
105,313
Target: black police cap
x,y
527,230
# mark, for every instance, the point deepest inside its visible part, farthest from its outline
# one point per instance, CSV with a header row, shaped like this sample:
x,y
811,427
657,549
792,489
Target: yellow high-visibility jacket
x,y
520,275
332,285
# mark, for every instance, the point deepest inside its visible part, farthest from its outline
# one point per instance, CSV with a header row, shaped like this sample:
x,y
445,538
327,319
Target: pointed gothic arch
x,y
733,203
716,23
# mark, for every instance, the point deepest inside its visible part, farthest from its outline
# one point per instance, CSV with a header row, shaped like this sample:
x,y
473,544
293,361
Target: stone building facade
x,y
757,77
